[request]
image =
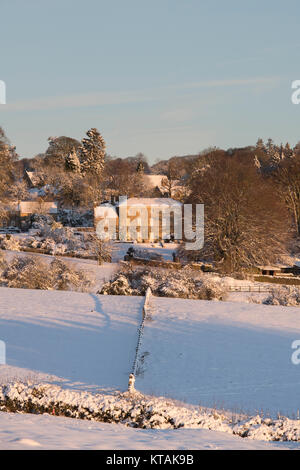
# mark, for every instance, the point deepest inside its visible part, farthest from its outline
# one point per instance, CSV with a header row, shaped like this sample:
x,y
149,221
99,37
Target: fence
x,y
70,254
252,288
140,334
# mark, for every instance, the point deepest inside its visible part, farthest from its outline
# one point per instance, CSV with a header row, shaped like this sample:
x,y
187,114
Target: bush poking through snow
x,y
129,408
9,243
57,239
183,284
29,272
39,221
288,296
67,278
139,411
144,254
76,218
212,289
2,260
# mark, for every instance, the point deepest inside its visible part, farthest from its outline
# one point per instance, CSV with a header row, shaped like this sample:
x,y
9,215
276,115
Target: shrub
x,y
284,295
2,261
10,243
30,272
144,254
183,283
27,273
76,218
66,278
212,288
39,221
120,285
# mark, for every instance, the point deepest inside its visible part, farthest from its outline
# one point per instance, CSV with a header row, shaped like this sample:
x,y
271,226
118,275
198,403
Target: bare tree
x,y
122,179
287,179
18,191
245,223
171,182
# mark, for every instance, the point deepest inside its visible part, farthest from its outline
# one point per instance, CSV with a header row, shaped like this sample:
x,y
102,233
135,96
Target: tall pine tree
x,y
73,162
92,153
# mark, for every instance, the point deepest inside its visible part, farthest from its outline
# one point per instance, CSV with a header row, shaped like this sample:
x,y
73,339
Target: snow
x,y
150,202
224,354
88,341
99,273
154,180
32,177
41,432
105,210
164,249
136,410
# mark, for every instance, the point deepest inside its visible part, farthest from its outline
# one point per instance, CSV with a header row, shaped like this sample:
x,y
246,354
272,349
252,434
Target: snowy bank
x,y
139,411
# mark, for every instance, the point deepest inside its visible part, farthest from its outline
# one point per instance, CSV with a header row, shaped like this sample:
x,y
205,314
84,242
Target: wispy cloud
x,y
79,100
231,82
94,99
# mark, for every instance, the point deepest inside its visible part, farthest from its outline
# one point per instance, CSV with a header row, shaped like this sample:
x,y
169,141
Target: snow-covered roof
x,y
30,207
32,177
154,180
105,210
272,268
151,201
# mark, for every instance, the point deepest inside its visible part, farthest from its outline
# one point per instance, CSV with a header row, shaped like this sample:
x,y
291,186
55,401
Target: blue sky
x,y
166,77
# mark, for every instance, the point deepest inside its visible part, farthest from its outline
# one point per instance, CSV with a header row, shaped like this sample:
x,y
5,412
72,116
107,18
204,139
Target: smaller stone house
x,y
19,213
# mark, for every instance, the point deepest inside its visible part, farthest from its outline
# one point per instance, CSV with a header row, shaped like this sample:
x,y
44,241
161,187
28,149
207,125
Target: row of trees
x,y
71,171
82,173
8,163
252,212
268,156
251,194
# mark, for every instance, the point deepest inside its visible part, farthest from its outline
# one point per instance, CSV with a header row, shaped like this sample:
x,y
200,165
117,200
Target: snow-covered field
x,y
226,354
84,339
229,355
19,431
